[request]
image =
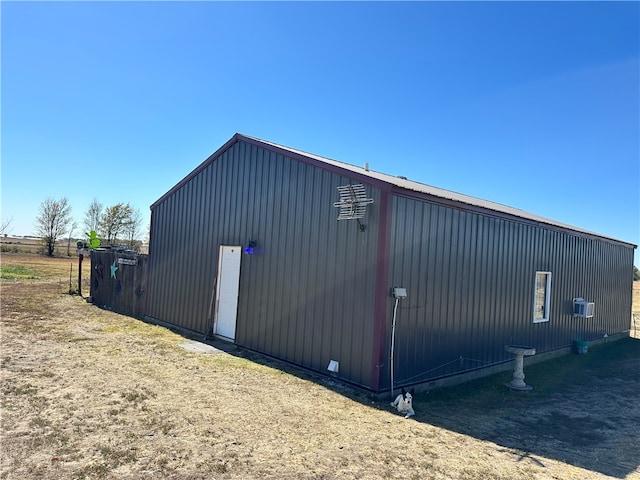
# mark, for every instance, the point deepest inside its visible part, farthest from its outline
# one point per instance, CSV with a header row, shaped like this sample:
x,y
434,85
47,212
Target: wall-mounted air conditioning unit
x,y
582,308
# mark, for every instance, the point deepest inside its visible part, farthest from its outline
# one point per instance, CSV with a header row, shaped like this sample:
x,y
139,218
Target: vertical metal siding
x,y
470,283
307,295
310,293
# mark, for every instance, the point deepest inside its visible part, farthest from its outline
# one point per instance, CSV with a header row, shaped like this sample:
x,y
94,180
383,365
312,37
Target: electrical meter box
x,y
399,292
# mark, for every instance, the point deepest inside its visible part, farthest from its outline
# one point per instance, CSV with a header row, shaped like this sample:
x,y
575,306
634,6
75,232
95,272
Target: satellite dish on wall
x,y
353,203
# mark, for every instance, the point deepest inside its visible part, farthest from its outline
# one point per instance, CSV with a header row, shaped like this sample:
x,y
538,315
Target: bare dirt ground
x,y
90,394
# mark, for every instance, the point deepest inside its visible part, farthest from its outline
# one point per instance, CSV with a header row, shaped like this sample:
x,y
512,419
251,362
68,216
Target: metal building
x,y
249,247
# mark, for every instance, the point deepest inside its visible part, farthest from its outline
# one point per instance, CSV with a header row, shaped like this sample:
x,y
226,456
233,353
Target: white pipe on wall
x,y
393,340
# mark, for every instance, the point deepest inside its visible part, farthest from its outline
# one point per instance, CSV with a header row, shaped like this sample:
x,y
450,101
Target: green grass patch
x,y
547,377
17,272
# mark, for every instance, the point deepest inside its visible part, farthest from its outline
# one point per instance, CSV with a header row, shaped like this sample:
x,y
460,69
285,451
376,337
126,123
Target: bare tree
x,y
5,226
133,227
115,220
73,226
92,216
53,221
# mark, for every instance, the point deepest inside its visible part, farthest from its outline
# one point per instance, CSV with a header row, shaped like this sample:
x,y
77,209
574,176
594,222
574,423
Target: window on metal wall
x,y
541,297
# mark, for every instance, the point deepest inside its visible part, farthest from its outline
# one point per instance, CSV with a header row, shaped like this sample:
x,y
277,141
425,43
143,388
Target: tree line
x,y
117,223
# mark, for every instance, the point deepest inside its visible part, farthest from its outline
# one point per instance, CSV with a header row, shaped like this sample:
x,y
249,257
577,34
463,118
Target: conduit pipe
x,y
398,293
393,340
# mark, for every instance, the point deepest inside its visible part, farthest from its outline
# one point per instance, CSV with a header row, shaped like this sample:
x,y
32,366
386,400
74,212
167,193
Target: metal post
x,y
80,257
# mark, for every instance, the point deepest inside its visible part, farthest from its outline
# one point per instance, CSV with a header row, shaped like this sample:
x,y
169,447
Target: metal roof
x,y
415,186
396,184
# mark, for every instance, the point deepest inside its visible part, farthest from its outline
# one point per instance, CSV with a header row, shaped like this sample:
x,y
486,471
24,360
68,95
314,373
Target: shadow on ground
x,y
583,410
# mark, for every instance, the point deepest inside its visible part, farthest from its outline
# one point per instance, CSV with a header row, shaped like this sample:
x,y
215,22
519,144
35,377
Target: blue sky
x,y
533,105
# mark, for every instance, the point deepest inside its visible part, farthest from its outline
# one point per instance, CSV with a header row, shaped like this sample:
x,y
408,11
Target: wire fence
x,y
70,284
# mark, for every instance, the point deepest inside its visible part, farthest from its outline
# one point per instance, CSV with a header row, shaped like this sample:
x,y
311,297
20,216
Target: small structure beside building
x,y
119,280
319,263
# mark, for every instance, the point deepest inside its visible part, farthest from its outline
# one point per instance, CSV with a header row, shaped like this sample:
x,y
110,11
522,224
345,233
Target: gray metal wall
x,y
470,283
306,296
317,288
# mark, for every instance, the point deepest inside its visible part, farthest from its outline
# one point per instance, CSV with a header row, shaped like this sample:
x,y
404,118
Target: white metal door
x,y
227,291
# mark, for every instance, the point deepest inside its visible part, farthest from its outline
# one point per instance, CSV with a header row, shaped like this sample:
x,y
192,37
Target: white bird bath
x,y
520,351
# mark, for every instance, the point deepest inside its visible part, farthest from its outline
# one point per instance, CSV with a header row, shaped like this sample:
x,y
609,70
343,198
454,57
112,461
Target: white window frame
x,y
547,298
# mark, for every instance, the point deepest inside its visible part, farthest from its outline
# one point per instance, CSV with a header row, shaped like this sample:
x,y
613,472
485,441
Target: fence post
x,y
80,257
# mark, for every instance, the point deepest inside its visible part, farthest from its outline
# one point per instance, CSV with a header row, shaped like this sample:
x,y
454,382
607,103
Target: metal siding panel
x,y
432,306
488,319
337,274
288,310
483,271
439,280
500,301
308,295
158,254
248,266
298,245
181,247
472,299
281,261
259,335
302,238
318,345
515,281
481,278
310,355
462,297
415,302
472,277
204,269
409,276
290,262
173,240
449,268
200,250
163,274
237,209
271,331
189,254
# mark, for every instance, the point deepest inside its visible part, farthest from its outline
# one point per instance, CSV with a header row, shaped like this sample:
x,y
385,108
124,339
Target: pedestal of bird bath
x,y
520,351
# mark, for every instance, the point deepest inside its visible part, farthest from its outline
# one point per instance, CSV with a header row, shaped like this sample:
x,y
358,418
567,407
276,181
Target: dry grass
x,y
60,273
30,245
89,394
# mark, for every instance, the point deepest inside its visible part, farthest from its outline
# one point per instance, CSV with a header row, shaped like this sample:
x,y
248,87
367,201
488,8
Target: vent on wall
x,y
582,308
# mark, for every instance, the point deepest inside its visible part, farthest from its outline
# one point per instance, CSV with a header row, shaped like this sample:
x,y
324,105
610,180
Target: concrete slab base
x,y
526,388
198,347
